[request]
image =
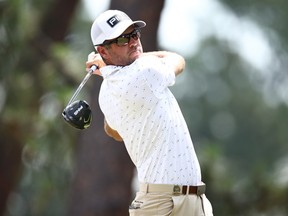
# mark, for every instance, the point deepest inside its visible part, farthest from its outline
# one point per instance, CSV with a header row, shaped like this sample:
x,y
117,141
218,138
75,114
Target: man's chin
x,y
135,54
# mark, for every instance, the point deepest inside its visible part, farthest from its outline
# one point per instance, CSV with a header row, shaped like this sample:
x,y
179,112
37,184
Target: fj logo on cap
x,y
113,21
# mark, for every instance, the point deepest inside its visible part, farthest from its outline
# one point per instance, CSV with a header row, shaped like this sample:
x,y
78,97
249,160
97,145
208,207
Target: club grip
x,y
93,68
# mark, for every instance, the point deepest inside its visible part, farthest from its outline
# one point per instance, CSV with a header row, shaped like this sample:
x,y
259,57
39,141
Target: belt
x,y
173,189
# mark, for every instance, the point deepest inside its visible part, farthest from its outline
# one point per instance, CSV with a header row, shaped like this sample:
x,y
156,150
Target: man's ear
x,y
103,52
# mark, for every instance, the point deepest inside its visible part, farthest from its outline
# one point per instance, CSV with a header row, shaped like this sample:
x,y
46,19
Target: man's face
x,y
123,55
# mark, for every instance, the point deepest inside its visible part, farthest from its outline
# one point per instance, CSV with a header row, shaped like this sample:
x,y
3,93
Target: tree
x,y
22,55
240,139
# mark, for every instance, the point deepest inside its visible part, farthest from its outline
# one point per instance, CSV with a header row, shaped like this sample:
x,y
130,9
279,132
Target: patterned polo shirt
x,y
137,102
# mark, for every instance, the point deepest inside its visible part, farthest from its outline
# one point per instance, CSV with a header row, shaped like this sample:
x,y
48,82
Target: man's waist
x,y
173,189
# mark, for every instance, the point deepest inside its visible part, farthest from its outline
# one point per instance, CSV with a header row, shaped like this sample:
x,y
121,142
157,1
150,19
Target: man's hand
x,y
95,59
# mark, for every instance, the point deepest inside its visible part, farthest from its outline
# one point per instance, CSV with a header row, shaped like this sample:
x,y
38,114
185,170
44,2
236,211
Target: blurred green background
x,y
233,94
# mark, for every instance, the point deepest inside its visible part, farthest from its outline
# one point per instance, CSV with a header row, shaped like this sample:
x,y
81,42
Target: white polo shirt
x,y
136,102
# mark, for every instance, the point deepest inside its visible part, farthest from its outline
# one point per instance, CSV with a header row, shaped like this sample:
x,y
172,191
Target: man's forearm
x,y
174,59
112,133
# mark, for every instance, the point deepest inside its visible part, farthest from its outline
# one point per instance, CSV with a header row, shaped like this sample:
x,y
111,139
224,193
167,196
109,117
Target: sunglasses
x,y
123,40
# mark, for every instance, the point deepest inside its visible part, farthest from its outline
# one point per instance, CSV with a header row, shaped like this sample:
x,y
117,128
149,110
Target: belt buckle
x,y
201,189
176,190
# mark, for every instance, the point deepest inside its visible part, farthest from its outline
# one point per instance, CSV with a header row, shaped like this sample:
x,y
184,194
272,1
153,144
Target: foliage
x,y
240,136
35,86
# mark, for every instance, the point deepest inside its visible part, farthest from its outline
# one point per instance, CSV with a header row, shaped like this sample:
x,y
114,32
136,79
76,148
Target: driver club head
x,y
78,114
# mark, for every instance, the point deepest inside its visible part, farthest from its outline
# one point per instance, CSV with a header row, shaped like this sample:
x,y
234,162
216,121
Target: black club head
x,y
78,114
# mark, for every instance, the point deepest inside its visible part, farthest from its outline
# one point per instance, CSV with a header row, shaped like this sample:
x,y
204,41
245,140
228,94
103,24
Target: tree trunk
x,y
104,171
10,160
102,183
142,10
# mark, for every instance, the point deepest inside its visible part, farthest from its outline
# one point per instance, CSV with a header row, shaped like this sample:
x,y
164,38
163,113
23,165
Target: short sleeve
x,y
158,75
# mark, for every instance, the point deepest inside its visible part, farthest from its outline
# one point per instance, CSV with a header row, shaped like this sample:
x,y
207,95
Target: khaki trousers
x,y
167,203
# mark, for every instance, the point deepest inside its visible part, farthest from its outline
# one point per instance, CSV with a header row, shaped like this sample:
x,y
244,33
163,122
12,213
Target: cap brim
x,y
124,26
139,23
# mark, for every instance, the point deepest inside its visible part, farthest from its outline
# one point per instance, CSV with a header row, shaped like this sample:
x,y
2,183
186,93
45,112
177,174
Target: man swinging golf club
x,y
140,110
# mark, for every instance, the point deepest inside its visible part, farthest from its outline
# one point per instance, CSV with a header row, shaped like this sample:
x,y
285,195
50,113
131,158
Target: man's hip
x,y
162,199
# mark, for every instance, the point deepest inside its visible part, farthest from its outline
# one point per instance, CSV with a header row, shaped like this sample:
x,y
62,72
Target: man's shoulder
x,y
146,63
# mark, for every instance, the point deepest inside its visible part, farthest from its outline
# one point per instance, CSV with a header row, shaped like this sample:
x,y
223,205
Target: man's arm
x,y
112,133
174,59
95,59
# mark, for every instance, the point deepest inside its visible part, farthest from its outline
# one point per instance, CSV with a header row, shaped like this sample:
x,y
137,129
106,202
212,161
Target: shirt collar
x,y
109,69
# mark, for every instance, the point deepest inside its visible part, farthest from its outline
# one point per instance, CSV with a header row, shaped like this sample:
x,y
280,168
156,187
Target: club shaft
x,y
88,75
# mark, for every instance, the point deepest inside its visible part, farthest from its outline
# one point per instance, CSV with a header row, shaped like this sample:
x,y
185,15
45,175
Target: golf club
x,y
78,113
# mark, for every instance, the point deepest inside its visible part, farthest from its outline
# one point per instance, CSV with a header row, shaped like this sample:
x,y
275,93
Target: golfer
x,y
140,109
